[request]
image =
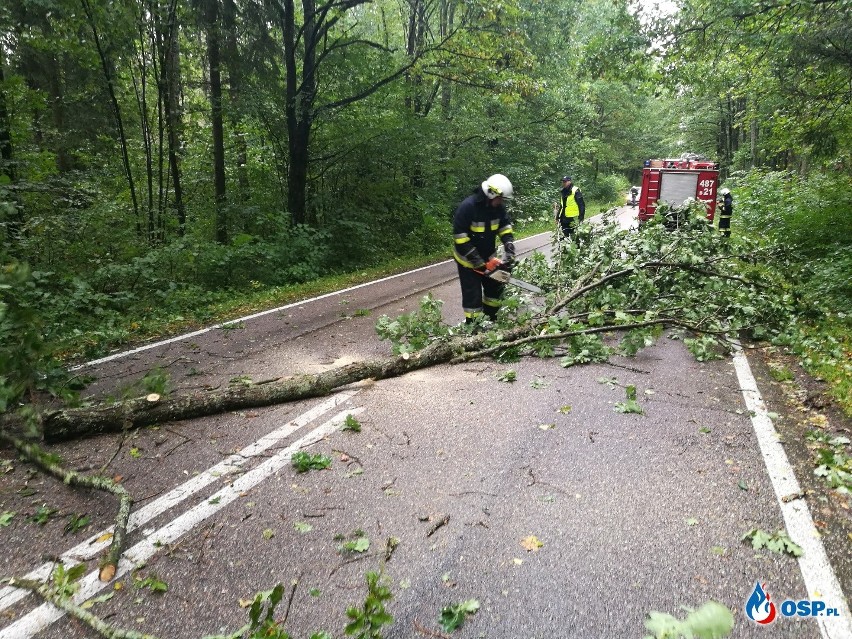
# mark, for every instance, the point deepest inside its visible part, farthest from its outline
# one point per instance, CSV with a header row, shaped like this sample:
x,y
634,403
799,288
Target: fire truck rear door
x,y
675,188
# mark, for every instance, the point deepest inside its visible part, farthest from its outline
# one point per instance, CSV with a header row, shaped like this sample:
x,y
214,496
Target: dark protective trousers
x,y
725,225
479,293
569,225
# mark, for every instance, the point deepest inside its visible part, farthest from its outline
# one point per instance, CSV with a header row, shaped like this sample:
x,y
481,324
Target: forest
x,y
167,163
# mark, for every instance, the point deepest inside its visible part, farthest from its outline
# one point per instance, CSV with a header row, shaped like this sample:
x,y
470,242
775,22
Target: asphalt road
x,y
631,513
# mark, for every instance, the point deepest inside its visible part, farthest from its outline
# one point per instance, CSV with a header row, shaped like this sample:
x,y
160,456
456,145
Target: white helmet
x,y
725,191
497,185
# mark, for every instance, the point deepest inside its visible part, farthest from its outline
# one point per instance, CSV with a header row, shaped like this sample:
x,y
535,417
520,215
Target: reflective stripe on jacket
x,y
476,227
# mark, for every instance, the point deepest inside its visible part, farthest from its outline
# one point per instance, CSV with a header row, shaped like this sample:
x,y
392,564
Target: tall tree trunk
x,y
105,65
141,88
214,60
299,107
7,158
57,108
753,135
232,62
125,154
448,12
170,79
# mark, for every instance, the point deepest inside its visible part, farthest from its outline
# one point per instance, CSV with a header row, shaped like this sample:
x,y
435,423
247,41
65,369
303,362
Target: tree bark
x,y
77,422
232,63
49,594
214,60
299,103
171,80
7,159
125,154
72,478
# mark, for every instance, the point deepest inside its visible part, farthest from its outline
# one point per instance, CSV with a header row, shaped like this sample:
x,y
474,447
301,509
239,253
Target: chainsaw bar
x,y
505,278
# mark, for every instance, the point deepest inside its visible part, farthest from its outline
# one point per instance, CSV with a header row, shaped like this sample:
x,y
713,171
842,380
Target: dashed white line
x,y
820,580
90,585
92,546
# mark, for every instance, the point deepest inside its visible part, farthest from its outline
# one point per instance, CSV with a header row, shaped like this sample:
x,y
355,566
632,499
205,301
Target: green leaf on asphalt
x,y
77,522
154,583
351,424
453,617
630,406
362,544
42,515
710,621
539,382
780,542
303,462
302,527
508,376
7,517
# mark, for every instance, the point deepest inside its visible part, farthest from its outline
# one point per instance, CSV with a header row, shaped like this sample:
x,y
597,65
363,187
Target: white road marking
x,y
90,585
179,338
820,580
91,547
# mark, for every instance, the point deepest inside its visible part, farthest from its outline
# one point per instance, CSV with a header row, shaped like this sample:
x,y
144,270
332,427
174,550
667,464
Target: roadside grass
x,y
824,348
189,311
813,228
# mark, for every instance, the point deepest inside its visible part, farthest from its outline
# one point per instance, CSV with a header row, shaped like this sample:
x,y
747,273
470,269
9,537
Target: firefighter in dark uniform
x,y
572,209
479,220
727,211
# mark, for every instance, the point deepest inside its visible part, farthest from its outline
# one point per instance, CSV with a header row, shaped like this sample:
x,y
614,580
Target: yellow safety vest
x,y
569,204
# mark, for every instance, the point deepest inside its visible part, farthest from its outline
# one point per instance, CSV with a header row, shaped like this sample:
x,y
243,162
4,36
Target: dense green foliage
x,y
160,160
809,219
691,279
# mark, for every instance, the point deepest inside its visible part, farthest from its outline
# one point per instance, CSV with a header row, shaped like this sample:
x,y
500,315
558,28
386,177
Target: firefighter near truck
x,y
673,182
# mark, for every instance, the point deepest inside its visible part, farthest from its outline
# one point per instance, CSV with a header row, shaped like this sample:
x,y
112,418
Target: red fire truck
x,y
675,180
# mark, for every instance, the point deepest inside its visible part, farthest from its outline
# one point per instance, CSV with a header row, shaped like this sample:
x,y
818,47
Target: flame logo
x,y
759,606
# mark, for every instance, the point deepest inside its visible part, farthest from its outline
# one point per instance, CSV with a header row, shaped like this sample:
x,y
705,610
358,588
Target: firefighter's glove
x,y
475,259
509,250
492,265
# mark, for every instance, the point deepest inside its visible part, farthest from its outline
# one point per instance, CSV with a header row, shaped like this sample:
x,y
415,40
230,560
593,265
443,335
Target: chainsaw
x,y
502,275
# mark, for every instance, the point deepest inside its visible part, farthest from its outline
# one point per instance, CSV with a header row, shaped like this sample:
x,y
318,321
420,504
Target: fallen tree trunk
x,y
624,282
77,422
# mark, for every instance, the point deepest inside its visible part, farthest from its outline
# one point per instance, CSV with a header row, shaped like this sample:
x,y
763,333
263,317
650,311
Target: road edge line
x,y
820,580
179,338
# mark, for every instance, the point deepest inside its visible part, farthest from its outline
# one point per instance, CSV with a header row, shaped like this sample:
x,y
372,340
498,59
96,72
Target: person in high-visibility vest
x,y
725,214
572,209
478,222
